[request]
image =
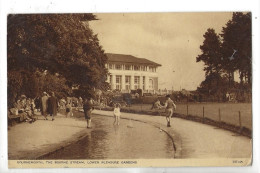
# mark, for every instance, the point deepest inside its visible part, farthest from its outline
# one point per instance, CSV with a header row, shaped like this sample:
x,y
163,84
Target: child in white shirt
x,y
117,114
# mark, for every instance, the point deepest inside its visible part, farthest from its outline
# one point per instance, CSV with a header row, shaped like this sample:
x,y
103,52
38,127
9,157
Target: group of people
x,y
24,108
49,105
169,107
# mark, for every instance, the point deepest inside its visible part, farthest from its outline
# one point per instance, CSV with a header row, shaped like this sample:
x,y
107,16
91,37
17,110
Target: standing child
x,y
117,114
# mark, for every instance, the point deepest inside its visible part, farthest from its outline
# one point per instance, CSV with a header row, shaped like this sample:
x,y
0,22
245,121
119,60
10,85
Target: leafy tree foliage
x,y
211,55
214,85
58,43
237,45
52,82
226,53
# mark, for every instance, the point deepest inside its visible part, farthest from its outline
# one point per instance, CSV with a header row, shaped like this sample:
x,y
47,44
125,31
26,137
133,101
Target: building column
x,y
123,82
132,82
113,84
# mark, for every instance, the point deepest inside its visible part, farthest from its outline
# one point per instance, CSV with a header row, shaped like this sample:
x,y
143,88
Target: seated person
x,y
156,104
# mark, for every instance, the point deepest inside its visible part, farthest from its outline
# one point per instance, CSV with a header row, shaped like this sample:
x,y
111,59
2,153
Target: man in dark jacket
x,y
53,105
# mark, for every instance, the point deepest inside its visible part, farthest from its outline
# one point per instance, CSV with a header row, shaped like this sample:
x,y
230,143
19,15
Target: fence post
x,y
187,109
219,115
240,124
203,115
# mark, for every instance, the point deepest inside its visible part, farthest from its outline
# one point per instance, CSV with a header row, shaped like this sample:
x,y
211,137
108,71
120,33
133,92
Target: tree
x,y
214,86
211,56
58,43
14,84
237,46
224,55
52,82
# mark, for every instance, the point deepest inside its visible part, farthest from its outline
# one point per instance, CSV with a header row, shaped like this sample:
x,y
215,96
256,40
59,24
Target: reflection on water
x,y
108,141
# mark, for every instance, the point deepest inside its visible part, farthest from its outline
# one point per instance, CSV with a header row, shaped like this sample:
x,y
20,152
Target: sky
x,y
170,39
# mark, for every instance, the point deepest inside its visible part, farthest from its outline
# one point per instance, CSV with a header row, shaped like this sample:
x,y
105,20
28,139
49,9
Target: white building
x,y
127,73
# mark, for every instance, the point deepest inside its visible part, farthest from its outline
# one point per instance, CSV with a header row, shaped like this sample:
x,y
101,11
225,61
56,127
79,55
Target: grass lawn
x,y
229,112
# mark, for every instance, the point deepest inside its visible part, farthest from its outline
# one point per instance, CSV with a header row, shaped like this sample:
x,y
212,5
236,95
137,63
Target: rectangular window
x,y
127,82
127,67
110,79
136,68
136,82
143,82
118,66
118,82
110,66
152,69
151,84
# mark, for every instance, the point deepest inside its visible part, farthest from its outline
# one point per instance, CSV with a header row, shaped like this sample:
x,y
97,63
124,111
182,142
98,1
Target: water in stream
x,y
129,140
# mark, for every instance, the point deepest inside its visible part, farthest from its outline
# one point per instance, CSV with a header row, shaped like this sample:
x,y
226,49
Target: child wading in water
x,y
117,114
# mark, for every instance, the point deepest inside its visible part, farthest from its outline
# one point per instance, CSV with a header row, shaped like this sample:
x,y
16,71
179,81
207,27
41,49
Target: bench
x,y
12,119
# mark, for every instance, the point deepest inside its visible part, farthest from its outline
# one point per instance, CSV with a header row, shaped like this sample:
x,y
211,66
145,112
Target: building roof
x,y
130,59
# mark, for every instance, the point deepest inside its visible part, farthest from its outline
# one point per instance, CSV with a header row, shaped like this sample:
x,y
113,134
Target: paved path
x,y
34,140
196,140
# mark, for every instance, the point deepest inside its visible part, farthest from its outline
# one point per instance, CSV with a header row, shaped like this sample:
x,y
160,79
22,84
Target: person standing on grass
x,y
88,108
117,114
53,105
169,106
44,105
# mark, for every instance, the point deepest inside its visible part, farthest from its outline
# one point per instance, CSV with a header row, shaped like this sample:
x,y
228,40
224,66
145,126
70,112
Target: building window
x,y
118,82
143,82
136,82
136,68
110,79
127,82
118,66
110,66
151,84
127,67
152,69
